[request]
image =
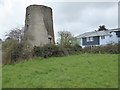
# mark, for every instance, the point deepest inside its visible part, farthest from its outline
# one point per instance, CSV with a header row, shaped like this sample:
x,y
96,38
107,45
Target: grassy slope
x,y
86,70
0,76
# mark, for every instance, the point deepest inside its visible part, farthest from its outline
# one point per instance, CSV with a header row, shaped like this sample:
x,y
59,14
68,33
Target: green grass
x,y
76,71
0,76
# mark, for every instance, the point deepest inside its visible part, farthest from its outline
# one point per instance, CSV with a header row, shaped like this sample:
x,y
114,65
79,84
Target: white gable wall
x,y
81,42
114,37
104,41
109,39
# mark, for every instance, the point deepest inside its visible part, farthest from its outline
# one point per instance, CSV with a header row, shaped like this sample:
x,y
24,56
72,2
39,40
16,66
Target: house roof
x,y
97,33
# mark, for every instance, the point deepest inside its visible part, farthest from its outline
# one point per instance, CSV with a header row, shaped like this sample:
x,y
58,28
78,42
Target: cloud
x,y
83,17
99,15
13,14
76,17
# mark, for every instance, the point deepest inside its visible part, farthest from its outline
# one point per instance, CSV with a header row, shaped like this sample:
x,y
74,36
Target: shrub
x,y
86,50
49,50
7,48
109,48
73,48
55,50
14,51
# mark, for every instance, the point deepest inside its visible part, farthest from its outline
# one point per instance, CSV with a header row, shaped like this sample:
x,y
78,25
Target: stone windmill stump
x,y
39,25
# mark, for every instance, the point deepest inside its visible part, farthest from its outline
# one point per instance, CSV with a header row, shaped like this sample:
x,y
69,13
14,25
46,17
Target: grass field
x,y
76,71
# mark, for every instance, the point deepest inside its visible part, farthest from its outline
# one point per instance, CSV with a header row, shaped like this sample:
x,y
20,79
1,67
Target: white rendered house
x,y
97,38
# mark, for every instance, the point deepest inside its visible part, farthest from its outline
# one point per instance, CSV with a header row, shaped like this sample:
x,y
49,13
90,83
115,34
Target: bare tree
x,y
16,34
65,37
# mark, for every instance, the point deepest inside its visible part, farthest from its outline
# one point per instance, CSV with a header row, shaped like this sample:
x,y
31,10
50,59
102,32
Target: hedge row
x,y
55,50
15,51
109,48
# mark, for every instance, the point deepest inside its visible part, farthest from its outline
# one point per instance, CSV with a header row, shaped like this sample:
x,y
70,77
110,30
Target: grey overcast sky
x,y
76,17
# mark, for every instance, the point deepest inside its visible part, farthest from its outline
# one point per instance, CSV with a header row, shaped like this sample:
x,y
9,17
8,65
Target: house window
x,y
110,36
118,33
102,37
89,39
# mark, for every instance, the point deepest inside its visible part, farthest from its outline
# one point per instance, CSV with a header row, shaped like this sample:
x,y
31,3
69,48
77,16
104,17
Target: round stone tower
x,y
39,25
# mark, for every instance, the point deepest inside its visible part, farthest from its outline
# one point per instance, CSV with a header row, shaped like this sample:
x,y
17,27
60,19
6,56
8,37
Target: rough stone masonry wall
x,y
38,25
